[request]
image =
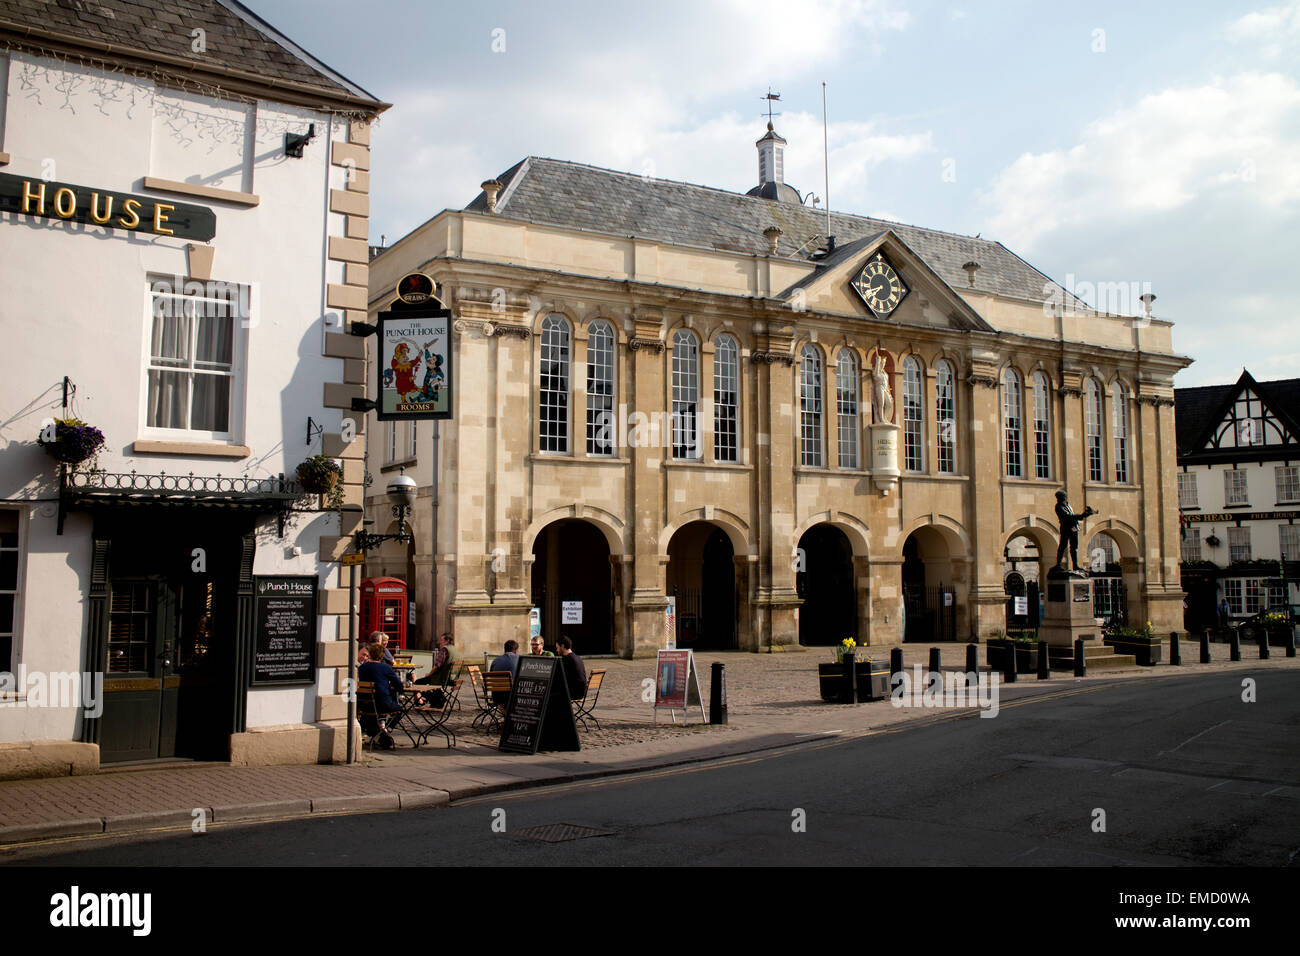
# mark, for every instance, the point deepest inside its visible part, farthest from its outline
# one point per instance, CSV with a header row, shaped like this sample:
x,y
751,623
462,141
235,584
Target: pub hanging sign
x,y
33,196
415,373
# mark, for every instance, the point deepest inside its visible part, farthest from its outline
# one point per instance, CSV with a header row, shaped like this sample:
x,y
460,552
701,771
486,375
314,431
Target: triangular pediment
x,y
840,286
1250,419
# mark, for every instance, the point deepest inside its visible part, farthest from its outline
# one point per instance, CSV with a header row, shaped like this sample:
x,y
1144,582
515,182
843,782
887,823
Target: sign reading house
x,y
285,617
33,196
414,364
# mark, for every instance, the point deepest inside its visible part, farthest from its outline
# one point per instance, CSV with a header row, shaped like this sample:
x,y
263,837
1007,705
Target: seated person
x,y
445,658
575,672
380,638
388,691
509,661
363,654
539,648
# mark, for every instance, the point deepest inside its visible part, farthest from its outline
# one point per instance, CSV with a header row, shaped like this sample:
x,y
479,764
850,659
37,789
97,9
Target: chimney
x,y
971,268
491,188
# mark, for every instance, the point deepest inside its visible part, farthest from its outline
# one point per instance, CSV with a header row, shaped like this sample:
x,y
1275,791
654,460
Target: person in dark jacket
x,y
575,672
509,661
388,690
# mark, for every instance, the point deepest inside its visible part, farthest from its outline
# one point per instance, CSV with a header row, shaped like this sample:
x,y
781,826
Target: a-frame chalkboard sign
x,y
539,716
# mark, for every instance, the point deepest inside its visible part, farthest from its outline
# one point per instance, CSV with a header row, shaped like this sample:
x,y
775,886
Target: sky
x,y
1131,147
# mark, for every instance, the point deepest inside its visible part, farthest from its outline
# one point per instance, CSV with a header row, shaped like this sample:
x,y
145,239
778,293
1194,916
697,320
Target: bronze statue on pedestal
x,y
1069,535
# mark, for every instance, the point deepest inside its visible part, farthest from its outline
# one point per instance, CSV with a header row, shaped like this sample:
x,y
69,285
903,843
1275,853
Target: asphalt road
x,y
1179,771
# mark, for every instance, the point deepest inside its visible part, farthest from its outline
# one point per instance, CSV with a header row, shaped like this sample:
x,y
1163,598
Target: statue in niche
x,y
882,400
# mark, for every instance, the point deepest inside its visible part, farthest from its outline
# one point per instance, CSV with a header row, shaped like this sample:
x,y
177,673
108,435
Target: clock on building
x,y
879,286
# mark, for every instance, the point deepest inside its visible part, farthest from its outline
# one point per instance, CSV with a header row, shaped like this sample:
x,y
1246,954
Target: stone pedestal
x,y
884,456
1069,613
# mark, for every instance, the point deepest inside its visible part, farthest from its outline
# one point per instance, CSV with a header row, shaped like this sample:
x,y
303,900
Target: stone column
x,y
986,601
647,393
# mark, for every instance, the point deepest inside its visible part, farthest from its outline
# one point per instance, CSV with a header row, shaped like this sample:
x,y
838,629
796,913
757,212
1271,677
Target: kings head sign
x,y
33,196
415,376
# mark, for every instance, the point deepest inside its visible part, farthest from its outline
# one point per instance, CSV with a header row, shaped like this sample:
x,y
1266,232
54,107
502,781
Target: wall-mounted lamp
x,y
294,143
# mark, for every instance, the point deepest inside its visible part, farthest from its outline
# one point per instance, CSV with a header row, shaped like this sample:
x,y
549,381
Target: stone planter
x,y
872,680
1148,653
1026,656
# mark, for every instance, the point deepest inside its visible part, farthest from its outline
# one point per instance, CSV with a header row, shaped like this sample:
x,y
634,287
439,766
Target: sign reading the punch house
x,y
285,652
33,196
414,364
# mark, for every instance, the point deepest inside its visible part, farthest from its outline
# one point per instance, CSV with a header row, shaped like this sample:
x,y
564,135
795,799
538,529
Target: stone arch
x,y
735,528
610,525
954,535
854,528
566,312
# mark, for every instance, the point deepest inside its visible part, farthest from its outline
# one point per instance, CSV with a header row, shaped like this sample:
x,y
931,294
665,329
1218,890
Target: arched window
x,y
602,430
553,389
913,416
1119,429
945,416
810,407
1011,422
686,395
1092,429
726,399
846,406
1042,427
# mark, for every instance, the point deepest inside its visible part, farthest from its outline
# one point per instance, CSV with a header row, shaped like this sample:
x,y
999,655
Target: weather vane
x,y
771,98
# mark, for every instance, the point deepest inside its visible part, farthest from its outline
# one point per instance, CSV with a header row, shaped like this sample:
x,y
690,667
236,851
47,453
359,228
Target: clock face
x,y
879,286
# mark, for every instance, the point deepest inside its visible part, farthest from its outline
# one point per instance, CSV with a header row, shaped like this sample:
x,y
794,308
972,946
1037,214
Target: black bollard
x,y
851,677
1290,642
1080,665
1044,661
1205,646
895,664
718,694
972,664
1175,654
934,660
1234,646
1009,665
1263,643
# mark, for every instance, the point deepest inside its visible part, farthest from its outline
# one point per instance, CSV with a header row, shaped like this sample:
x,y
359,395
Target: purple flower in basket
x,y
74,441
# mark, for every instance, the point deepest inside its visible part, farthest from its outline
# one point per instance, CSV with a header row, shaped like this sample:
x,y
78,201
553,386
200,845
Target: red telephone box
x,y
384,608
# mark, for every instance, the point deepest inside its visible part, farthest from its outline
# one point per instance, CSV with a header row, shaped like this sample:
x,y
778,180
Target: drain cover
x,y
560,833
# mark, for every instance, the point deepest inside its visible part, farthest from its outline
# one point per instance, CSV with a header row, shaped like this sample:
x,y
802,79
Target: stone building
x,y
184,198
799,427
1239,496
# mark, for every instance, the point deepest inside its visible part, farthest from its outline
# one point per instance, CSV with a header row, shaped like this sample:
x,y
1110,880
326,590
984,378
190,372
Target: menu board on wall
x,y
285,640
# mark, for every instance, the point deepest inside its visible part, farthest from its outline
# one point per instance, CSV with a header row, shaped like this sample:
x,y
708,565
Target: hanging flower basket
x,y
318,475
1212,541
74,441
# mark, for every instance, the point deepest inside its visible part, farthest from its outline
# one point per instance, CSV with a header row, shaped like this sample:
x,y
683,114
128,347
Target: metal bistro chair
x,y
368,708
494,683
482,704
428,720
582,709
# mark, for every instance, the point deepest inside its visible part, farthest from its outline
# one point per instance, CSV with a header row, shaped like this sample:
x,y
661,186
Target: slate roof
x,y
573,195
1198,410
236,38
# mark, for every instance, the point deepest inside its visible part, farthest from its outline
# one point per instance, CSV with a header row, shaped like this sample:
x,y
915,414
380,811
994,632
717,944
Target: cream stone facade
x,y
579,293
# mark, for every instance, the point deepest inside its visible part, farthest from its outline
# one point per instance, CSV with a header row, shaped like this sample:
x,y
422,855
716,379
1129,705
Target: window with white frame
x,y
1288,483
1288,539
1234,487
686,395
194,379
913,416
846,407
601,427
1011,422
1252,595
1042,427
553,387
1192,545
1238,544
810,407
726,399
1188,492
9,591
390,443
1092,429
945,416
413,445
1119,430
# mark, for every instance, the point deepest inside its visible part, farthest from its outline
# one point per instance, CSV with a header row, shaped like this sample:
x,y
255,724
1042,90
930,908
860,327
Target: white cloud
x,y
1238,135
1274,28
